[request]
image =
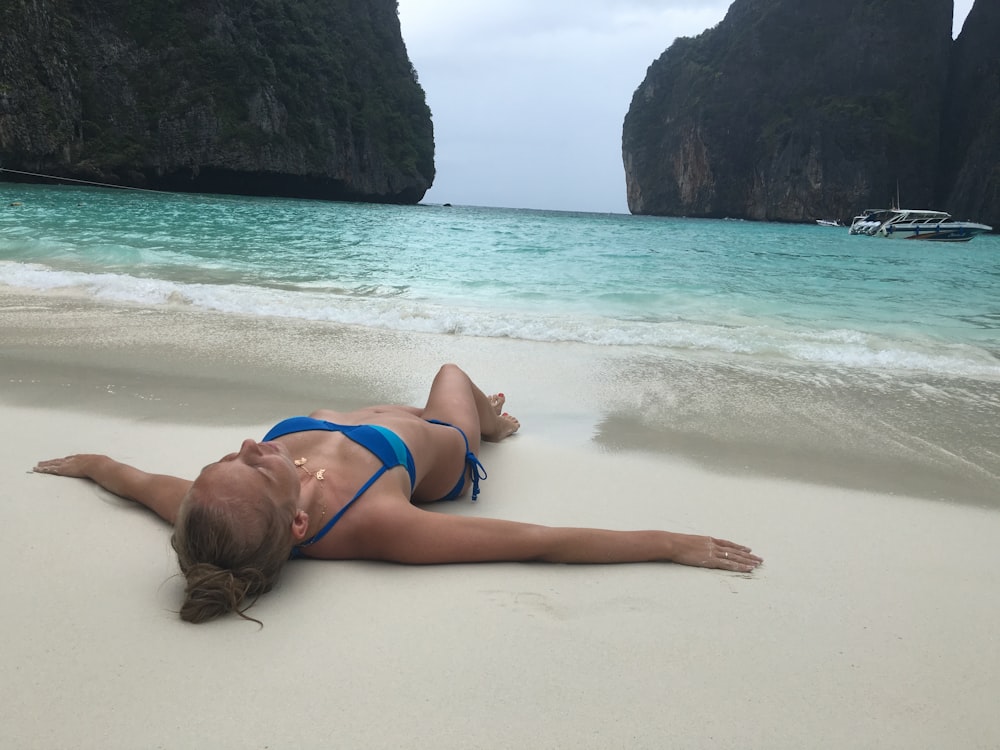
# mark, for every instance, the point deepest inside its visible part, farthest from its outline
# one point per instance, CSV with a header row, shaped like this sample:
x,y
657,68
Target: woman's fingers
x,y
731,556
708,552
67,466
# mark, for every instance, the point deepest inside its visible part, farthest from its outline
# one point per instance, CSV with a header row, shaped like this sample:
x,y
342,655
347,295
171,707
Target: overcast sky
x,y
528,96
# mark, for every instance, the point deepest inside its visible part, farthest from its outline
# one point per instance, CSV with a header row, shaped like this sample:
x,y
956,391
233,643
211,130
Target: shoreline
x,y
903,437
867,625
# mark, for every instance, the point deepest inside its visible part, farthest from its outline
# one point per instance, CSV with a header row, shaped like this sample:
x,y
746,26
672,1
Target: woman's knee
x,y
452,398
450,369
450,377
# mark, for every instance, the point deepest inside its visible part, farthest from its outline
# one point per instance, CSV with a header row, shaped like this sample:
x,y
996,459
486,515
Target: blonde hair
x,y
229,553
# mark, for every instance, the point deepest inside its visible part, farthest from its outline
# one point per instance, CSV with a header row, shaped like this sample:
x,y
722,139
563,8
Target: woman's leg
x,y
455,399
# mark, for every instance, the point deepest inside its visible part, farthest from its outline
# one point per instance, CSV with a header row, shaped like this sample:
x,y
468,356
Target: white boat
x,y
869,220
915,224
829,222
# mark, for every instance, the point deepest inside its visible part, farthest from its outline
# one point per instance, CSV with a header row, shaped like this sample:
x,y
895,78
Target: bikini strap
x,y
330,524
476,469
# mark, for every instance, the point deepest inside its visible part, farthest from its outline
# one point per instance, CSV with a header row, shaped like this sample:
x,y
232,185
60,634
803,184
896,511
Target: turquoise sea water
x,y
798,351
802,294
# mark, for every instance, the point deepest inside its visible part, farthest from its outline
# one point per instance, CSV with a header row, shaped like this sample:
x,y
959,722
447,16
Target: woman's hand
x,y
709,552
78,465
160,493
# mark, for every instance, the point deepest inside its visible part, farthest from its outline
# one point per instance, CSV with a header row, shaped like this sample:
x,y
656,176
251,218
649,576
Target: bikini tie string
x,y
477,471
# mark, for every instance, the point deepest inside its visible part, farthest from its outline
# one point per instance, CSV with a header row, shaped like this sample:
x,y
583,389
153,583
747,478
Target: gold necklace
x,y
301,463
318,475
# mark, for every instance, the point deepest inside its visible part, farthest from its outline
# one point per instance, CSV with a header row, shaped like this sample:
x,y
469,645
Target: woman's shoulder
x,y
363,530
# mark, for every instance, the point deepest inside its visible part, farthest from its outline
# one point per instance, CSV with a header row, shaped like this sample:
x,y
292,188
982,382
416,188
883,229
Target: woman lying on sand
x,y
339,486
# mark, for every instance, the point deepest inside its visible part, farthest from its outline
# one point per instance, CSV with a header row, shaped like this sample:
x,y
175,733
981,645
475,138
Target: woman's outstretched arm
x,y
408,534
160,493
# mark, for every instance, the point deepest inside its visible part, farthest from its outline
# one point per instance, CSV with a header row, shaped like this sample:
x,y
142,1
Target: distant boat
x,y
829,222
915,224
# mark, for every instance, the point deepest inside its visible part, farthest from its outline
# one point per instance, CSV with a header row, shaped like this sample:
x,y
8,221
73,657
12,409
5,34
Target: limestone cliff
x,y
306,98
970,144
790,110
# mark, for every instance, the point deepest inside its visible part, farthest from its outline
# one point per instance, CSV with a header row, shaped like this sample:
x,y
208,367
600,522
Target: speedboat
x,y
829,222
868,221
915,224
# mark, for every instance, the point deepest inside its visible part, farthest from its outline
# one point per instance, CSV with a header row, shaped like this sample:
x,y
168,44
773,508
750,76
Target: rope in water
x,y
84,182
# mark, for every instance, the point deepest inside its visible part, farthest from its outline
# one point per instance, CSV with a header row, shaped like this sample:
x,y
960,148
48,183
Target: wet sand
x,y
871,623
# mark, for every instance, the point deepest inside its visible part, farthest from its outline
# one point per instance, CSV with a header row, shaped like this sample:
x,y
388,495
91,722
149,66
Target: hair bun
x,y
212,591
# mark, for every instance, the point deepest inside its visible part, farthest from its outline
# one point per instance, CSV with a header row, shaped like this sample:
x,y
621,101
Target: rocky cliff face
x,y
970,145
306,98
790,110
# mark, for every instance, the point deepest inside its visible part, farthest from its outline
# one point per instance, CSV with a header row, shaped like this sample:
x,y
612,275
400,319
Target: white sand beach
x,y
871,624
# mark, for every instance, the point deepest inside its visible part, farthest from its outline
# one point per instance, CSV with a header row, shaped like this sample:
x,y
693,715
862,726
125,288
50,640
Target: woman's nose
x,y
249,448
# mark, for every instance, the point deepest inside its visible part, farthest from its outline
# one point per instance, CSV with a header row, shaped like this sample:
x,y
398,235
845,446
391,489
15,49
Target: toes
x,y
505,426
513,425
497,401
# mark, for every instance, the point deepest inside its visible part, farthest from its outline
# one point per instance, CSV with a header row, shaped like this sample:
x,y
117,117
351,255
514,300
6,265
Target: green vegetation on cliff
x,y
970,143
791,110
301,97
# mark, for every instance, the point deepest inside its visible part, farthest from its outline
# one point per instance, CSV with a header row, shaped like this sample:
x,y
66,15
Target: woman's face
x,y
257,469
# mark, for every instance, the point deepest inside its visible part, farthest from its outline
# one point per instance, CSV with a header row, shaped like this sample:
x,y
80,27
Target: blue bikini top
x,y
385,444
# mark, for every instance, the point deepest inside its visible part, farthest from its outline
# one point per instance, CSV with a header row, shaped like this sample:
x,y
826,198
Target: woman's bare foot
x,y
504,426
497,401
